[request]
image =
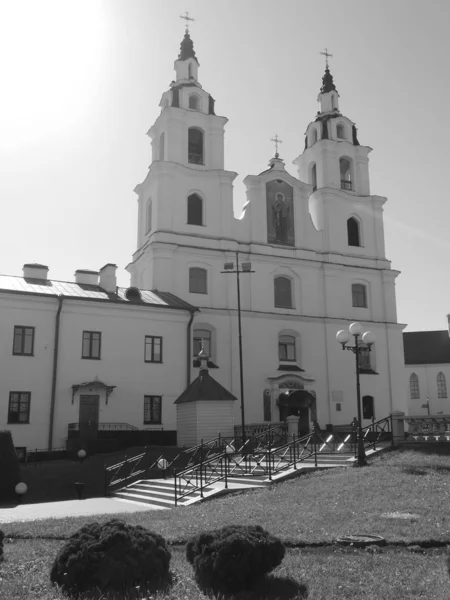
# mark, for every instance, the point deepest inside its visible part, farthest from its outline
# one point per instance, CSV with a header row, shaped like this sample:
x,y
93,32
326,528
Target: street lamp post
x,y
246,267
356,330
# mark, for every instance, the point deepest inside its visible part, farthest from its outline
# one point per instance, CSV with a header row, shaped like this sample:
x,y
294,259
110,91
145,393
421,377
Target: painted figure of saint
x,y
281,218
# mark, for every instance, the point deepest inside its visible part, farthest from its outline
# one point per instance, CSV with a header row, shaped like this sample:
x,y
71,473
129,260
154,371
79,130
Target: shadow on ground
x,y
269,588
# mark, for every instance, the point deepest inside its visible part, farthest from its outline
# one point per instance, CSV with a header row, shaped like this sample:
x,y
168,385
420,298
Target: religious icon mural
x,y
280,213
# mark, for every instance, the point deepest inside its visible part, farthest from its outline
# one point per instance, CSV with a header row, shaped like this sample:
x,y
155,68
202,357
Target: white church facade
x,y
312,255
315,245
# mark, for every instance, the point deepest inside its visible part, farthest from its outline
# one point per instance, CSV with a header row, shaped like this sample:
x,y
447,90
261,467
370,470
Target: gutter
x,y
54,374
189,349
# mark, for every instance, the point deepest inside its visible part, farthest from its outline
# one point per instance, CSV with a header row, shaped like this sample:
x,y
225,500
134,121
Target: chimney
x,y
35,271
86,277
108,279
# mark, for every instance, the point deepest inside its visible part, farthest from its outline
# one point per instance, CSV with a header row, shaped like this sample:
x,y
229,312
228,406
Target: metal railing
x,y
378,431
106,427
346,185
138,467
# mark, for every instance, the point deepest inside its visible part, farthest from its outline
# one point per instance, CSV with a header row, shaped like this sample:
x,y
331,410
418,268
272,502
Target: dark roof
x,y
204,388
327,82
187,48
426,347
84,291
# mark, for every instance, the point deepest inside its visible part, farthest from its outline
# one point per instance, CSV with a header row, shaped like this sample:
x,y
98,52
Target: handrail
x,y
379,429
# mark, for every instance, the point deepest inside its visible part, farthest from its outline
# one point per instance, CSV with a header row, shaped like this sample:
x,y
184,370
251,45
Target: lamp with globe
x,y
363,341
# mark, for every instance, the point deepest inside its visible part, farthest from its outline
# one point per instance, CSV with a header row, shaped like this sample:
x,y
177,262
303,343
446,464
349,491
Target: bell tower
x,y
333,156
186,192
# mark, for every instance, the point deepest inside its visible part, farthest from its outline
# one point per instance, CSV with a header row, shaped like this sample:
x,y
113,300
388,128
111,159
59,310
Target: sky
x,y
82,80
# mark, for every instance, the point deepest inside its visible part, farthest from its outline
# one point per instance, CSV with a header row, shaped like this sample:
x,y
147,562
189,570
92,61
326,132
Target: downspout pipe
x,y
189,349
55,371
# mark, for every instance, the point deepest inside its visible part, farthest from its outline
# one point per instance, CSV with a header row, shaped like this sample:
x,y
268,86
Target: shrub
x,y
9,467
2,535
233,558
112,556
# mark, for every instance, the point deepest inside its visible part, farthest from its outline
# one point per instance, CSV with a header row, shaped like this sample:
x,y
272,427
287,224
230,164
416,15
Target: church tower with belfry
x,y
308,256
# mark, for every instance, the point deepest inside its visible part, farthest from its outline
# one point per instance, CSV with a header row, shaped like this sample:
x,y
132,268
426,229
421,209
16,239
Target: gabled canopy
x,y
204,388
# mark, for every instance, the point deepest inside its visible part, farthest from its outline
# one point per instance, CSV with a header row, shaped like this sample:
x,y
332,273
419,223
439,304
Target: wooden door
x,y
88,417
303,423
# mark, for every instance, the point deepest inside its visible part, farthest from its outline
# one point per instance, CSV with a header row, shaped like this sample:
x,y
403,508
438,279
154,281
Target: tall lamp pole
x,y
368,339
245,267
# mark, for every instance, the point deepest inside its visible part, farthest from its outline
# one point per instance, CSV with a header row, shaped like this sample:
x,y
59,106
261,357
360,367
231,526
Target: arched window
x,y
441,385
194,102
202,337
345,168
359,295
340,132
414,391
313,136
368,407
283,292
161,146
195,146
364,359
198,281
286,348
189,70
333,102
353,233
314,176
194,210
148,216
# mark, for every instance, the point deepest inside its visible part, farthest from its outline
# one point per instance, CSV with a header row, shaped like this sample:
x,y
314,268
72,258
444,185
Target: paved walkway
x,y
69,508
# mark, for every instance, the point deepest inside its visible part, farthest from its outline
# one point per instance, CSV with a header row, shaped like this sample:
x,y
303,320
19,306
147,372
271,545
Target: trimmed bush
x,y
233,558
112,556
9,467
2,535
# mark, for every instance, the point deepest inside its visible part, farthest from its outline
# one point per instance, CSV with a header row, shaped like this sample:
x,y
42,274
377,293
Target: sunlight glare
x,y
51,56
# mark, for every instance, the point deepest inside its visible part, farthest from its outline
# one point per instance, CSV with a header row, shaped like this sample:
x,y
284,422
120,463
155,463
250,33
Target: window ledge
x,y
367,372
289,367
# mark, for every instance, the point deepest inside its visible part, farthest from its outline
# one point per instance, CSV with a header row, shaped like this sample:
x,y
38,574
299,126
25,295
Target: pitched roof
x,y
204,388
426,347
84,291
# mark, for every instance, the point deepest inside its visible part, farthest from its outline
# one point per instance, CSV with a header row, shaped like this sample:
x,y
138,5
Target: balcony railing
x,y
346,185
421,428
106,427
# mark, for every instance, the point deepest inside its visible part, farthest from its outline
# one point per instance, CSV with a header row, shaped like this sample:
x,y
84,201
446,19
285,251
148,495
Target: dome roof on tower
x,y
327,82
187,48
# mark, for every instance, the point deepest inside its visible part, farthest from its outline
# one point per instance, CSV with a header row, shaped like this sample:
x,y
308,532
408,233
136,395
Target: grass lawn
x,y
312,509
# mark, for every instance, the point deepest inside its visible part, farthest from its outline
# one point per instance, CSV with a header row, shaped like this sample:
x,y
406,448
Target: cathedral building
x,y
311,251
307,256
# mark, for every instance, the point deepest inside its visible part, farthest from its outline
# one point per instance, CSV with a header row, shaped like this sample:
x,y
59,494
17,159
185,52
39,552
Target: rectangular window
x,y
368,407
23,343
19,407
359,296
153,348
92,341
364,360
152,410
286,348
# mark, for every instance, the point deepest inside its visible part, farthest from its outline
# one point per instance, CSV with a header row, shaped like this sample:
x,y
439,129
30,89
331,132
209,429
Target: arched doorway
x,y
300,403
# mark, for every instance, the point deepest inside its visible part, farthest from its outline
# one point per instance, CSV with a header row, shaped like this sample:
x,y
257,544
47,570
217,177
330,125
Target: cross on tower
x,y
326,54
276,140
187,18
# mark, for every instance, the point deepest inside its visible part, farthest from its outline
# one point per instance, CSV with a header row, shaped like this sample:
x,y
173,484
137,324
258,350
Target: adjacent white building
x,y
313,258
87,352
427,364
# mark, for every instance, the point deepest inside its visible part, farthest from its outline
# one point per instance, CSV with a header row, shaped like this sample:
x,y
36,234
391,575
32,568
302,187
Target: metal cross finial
x,y
276,140
326,54
187,18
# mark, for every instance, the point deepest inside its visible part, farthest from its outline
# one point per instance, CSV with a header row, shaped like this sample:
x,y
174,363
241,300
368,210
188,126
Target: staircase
x,y
216,469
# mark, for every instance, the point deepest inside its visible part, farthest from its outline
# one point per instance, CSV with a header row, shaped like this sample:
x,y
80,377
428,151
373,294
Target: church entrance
x,y
301,404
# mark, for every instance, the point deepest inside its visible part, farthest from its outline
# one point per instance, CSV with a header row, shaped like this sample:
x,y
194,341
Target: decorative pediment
x,y
291,381
93,385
